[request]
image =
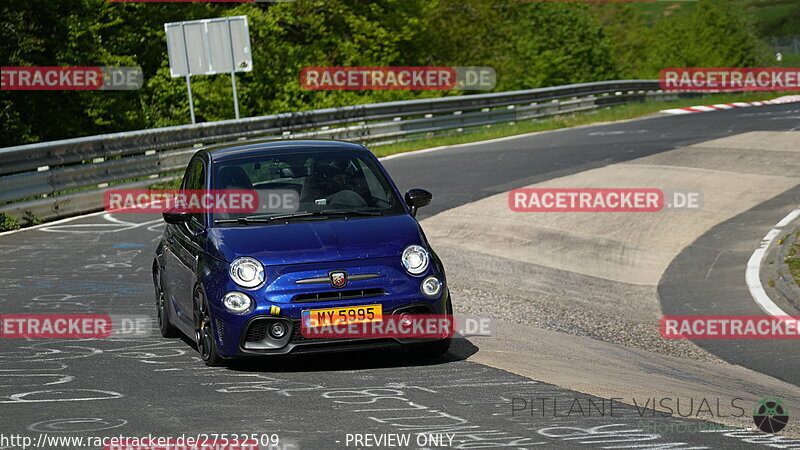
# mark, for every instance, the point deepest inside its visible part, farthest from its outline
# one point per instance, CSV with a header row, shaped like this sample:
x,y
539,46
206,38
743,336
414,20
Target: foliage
x,y
8,222
530,44
715,34
630,36
32,219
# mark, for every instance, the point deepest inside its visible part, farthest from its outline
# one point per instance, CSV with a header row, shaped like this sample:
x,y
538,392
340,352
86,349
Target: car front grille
x,y
221,331
339,295
256,331
297,334
414,309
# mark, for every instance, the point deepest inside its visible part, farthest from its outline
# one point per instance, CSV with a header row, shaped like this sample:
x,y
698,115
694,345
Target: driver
x,y
332,175
334,183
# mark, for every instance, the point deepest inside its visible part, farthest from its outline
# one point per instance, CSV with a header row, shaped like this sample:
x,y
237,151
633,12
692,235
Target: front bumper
x,y
292,292
255,339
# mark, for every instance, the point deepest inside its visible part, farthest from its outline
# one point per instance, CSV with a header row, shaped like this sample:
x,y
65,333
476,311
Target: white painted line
x,y
508,138
111,218
466,144
396,155
114,226
55,222
788,219
405,154
751,275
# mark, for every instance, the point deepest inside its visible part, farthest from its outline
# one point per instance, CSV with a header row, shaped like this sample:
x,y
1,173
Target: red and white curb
x,y
722,106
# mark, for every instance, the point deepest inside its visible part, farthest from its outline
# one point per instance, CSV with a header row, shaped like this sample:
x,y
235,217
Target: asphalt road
x,y
139,386
468,173
707,279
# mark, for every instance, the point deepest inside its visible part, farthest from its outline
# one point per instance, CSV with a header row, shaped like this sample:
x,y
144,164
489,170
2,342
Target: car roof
x,y
247,149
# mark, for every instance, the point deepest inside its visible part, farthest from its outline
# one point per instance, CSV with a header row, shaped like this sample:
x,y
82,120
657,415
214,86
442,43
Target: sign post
x,y
209,47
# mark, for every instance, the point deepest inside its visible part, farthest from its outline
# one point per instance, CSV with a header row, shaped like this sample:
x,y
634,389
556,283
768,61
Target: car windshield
x,y
307,186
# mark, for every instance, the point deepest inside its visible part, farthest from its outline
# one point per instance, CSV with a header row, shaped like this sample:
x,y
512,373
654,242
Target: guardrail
x,y
63,178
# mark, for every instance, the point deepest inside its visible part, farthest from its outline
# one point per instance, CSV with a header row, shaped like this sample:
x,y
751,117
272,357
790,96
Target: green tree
x,y
557,43
530,44
715,34
629,34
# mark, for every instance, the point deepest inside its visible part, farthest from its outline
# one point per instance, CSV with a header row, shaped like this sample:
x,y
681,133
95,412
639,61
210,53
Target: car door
x,y
184,245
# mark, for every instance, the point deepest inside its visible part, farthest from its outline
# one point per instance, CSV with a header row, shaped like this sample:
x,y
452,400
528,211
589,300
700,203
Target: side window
x,y
198,178
194,179
197,181
188,174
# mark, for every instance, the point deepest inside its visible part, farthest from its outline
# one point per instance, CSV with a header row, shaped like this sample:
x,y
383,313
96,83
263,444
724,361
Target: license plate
x,y
342,316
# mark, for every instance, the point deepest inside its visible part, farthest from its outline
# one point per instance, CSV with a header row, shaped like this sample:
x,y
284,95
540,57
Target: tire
x,y
167,329
204,333
438,348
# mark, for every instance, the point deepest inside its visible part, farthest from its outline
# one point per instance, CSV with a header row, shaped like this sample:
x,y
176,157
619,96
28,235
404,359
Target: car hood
x,y
317,241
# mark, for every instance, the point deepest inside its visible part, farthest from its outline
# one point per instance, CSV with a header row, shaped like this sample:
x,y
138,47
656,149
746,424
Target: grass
x,y
789,60
765,13
9,222
793,258
761,10
169,184
611,114
653,11
769,11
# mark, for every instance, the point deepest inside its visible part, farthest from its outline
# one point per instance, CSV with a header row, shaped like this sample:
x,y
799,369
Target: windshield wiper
x,y
268,219
349,212
244,220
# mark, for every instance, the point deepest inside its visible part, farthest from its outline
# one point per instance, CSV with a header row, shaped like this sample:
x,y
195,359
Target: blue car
x,y
330,233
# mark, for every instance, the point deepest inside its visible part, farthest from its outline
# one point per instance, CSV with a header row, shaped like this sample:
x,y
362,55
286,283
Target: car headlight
x,y
415,259
237,302
247,272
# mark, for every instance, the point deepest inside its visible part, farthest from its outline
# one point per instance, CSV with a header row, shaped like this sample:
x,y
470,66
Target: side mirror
x,y
175,216
417,198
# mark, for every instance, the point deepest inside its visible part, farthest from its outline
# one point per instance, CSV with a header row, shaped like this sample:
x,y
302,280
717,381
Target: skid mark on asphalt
x,y
401,396
113,225
313,403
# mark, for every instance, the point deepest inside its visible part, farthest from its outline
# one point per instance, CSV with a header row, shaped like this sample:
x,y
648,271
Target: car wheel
x,y
168,330
438,348
204,333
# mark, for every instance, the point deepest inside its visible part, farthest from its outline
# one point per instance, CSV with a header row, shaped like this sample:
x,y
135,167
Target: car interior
x,y
319,183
